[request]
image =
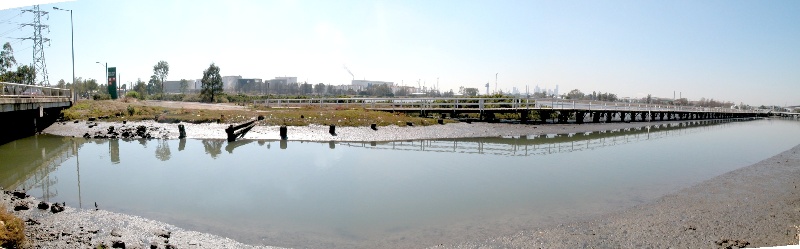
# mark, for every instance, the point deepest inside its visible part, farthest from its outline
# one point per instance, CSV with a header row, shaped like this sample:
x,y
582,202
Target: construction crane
x,y
348,71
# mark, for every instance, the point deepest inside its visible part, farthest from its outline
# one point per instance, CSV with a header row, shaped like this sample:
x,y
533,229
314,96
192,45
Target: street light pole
x,y
106,63
72,31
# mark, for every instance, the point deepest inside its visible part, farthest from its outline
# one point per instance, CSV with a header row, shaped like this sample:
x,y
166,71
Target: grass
x,y
117,110
12,233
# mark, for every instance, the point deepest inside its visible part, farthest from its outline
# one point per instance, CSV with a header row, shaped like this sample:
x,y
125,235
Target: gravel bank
x,y
350,134
47,227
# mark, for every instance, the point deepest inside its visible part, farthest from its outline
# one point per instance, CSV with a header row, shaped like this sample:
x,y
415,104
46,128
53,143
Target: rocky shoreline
x,y
758,205
152,129
54,225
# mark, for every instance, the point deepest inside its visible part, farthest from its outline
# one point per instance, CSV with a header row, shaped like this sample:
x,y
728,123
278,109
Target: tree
x,y
61,83
306,88
319,88
24,75
649,98
7,60
211,83
184,85
152,85
470,91
91,85
161,70
575,94
140,87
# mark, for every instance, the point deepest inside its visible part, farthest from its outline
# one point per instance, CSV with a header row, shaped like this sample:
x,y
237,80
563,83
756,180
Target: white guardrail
x,y
16,90
481,104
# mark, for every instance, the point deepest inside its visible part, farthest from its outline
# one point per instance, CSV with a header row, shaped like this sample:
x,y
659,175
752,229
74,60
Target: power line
x,y
15,16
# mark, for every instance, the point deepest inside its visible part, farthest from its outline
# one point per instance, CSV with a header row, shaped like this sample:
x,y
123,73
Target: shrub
x,y
192,98
12,233
133,94
101,96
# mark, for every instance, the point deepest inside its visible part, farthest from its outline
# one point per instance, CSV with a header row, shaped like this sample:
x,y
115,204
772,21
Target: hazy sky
x,y
740,51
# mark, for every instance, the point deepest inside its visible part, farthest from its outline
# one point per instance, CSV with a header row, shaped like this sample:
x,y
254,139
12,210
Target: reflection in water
x,y
113,150
233,145
182,144
541,144
213,147
162,150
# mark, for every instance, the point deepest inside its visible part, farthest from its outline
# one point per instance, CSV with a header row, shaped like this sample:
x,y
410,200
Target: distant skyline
x,y
739,51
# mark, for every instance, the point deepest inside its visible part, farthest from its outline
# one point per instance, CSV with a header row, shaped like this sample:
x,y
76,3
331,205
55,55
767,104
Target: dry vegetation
x,y
115,110
12,234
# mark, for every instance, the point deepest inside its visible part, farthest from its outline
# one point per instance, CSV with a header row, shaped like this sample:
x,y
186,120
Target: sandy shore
x,y
758,205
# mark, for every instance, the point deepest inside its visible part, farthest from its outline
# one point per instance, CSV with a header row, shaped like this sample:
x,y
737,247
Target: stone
x,y
117,244
43,205
56,208
116,233
21,206
19,195
163,234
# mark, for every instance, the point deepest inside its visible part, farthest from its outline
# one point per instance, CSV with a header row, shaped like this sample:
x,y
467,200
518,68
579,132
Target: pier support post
x,y
523,116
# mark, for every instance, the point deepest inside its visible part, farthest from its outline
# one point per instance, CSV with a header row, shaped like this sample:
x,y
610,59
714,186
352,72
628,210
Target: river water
x,y
385,194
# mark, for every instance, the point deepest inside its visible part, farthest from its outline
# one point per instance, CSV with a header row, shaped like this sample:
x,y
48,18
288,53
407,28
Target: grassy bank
x,y
117,110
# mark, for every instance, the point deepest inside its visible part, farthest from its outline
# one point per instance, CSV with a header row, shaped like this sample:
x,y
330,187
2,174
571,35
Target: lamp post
x,y
72,31
106,64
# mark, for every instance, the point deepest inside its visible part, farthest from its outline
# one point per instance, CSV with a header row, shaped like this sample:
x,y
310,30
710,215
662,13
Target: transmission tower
x,y
39,64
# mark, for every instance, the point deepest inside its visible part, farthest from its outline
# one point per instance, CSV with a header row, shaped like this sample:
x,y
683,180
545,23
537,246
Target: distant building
x,y
229,83
283,80
174,86
249,86
368,83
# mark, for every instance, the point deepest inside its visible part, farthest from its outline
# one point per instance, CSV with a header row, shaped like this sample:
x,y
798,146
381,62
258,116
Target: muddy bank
x,y
153,129
755,206
52,225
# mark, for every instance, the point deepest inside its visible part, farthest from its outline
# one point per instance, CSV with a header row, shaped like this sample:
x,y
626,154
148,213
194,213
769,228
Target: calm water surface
x,y
402,194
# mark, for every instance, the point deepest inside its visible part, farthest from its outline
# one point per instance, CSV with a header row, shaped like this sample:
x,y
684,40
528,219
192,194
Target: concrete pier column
x,y
579,117
563,116
544,115
595,117
523,116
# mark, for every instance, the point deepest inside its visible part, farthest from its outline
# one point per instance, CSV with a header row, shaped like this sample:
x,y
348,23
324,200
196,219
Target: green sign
x,y
112,82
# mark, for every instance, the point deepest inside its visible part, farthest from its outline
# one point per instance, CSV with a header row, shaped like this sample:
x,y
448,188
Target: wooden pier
x,y
526,109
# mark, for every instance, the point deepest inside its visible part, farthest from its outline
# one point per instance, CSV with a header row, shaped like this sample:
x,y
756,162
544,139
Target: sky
x,y
739,51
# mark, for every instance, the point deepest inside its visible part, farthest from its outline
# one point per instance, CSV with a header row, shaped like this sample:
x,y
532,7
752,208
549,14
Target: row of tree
x,y
597,96
23,74
649,99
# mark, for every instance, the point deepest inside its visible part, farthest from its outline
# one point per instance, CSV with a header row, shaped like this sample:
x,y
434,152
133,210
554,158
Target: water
x,y
392,194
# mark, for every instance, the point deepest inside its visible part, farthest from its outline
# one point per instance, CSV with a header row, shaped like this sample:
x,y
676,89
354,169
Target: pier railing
x,y
16,90
423,104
